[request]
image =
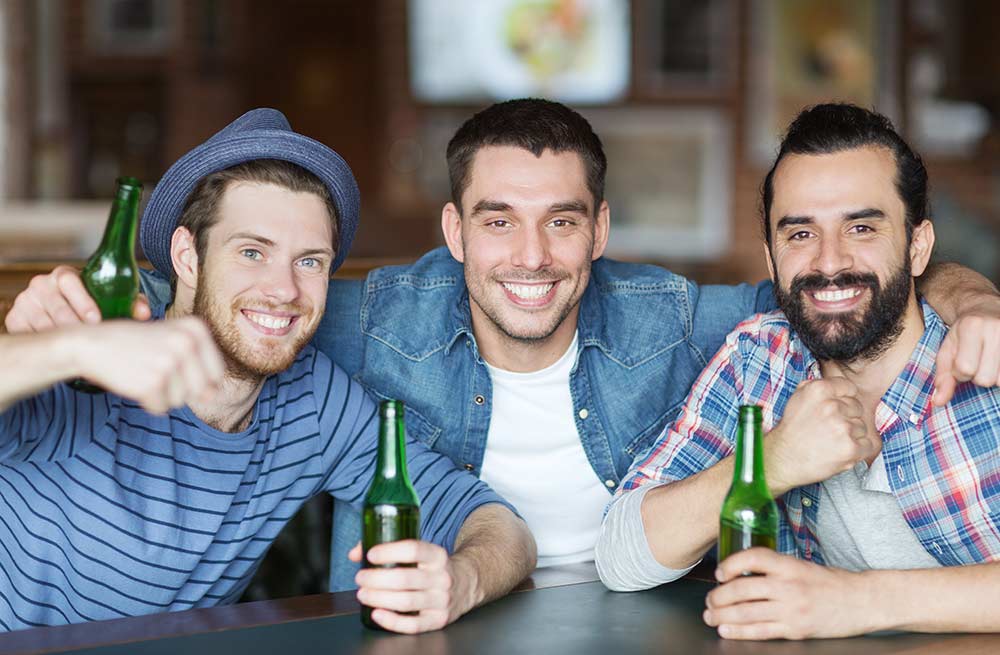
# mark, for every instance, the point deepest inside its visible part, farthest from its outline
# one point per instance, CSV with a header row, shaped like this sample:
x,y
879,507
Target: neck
x,y
231,407
874,377
521,355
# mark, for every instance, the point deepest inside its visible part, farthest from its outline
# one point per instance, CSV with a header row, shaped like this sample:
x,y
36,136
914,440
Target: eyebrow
x,y
568,207
269,243
868,212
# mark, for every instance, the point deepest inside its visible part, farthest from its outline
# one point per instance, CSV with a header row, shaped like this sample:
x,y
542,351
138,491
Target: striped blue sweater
x,y
107,511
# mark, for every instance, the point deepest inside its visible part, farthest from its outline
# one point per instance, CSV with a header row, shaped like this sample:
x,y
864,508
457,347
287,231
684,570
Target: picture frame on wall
x,y
128,27
669,181
685,48
805,52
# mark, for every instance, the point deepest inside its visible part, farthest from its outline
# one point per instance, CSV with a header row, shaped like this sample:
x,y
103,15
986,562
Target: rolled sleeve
x,y
623,557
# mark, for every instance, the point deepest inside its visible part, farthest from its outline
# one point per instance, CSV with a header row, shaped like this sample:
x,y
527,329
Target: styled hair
x,y
532,124
834,127
201,210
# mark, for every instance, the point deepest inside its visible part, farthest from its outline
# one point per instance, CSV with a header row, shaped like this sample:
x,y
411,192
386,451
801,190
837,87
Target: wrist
x,y
70,346
775,471
875,611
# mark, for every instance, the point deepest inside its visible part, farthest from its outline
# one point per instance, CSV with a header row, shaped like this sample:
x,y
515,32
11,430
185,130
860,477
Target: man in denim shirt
x,y
518,346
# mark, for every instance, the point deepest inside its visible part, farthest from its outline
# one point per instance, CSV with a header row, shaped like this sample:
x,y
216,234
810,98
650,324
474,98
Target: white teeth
x,y
528,291
268,321
834,296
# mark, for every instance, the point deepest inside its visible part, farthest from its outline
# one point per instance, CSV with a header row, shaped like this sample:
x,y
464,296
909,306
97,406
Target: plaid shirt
x,y
943,463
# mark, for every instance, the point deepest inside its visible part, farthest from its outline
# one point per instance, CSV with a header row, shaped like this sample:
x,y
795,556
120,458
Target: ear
x,y
602,229
921,246
184,257
451,227
770,262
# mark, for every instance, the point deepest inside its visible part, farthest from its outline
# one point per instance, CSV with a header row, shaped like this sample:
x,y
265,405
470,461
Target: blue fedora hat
x,y
257,134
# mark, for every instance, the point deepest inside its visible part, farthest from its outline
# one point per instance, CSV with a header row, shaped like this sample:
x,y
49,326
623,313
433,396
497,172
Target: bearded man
x,y
219,420
889,510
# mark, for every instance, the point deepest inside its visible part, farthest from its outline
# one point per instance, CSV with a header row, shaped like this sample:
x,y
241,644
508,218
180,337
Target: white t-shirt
x,y
535,460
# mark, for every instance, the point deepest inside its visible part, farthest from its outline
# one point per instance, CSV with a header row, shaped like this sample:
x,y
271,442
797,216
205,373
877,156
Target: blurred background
x,y
689,97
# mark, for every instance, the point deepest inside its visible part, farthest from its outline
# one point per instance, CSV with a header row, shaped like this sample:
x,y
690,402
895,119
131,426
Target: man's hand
x,y
970,351
160,365
59,299
822,433
788,599
434,590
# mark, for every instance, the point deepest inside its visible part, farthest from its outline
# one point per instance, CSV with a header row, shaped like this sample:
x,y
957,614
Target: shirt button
x,y
479,400
899,473
937,547
584,413
806,502
914,418
609,484
470,467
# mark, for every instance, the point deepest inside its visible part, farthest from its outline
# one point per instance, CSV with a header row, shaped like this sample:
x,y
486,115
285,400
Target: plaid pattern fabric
x,y
943,463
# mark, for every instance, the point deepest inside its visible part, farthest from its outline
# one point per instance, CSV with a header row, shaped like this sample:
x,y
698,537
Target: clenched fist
x,y
822,433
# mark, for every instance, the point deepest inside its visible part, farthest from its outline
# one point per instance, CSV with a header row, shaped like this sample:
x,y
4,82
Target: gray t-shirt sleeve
x,y
624,560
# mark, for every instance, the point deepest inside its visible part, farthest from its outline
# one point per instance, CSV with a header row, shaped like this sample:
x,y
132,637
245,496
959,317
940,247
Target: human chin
x,y
253,351
864,331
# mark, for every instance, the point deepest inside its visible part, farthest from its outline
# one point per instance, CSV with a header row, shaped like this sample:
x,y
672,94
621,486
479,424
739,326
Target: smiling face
x,y
527,240
842,263
262,284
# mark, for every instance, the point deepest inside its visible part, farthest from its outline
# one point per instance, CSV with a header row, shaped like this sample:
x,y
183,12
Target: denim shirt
x,y
644,336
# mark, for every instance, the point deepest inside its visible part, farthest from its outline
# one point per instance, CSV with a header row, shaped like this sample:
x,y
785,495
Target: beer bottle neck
x,y
749,456
391,461
119,235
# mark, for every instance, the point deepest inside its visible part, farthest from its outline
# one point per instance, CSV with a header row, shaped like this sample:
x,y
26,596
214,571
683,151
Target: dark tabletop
x,y
558,610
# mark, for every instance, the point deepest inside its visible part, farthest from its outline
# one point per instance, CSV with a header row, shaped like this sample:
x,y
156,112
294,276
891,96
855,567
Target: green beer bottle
x,y
111,275
749,515
391,510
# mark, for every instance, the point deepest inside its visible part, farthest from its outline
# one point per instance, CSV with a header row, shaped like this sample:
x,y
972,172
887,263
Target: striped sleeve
x,y
52,425
348,419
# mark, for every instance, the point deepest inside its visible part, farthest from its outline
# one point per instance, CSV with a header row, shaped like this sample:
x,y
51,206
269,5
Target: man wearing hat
x,y
220,419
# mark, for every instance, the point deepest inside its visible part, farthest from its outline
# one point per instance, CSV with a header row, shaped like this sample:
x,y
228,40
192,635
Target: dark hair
x,y
201,209
833,127
535,125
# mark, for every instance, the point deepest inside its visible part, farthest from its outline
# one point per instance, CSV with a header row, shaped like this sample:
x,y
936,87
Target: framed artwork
x,y
684,47
669,181
804,52
576,51
128,27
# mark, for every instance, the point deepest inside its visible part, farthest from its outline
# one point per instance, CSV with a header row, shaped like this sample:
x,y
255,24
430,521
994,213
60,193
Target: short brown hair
x,y
201,210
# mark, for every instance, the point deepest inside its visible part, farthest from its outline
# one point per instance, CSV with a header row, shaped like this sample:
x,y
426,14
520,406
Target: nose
x,y
833,256
531,250
279,284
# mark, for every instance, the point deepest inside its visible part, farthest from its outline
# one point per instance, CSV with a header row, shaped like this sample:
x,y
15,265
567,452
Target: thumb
x,y
355,554
140,308
944,379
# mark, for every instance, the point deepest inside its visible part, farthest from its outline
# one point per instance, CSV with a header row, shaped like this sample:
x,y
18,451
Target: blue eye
x,y
251,253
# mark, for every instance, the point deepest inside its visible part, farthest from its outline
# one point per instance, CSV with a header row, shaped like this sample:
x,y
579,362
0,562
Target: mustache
x,y
818,281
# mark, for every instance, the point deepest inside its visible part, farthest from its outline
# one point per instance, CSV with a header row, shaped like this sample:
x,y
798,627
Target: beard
x,y
848,337
245,360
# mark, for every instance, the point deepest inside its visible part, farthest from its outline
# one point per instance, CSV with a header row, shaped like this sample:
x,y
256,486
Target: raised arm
x,y
970,304
160,365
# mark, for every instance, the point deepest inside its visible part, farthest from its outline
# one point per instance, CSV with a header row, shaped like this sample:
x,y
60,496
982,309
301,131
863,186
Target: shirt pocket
x,y
641,444
421,429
